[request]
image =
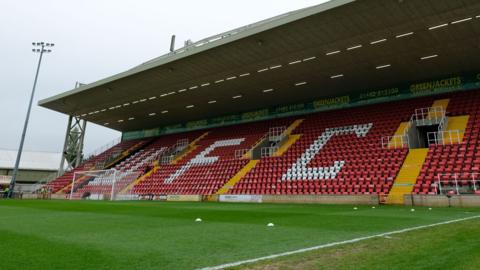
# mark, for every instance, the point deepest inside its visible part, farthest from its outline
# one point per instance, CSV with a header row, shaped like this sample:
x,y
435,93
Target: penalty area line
x,y
273,256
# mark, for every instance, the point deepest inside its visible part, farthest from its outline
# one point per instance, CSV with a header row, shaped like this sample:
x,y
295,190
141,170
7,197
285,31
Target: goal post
x,y
96,185
109,184
123,190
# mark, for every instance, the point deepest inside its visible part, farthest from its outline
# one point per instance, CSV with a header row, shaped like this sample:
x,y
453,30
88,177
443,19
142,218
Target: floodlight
x,y
22,139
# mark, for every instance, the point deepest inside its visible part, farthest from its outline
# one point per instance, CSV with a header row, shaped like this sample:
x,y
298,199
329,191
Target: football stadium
x,y
344,135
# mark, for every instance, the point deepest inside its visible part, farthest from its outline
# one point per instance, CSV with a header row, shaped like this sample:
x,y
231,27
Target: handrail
x,y
276,133
396,141
455,178
268,151
440,138
240,153
422,116
428,115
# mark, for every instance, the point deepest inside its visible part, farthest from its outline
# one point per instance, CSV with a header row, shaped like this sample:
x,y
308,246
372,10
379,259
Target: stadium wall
x,y
443,201
323,199
406,91
302,199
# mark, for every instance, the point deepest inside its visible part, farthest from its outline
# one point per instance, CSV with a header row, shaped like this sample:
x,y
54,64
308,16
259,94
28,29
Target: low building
x,y
35,167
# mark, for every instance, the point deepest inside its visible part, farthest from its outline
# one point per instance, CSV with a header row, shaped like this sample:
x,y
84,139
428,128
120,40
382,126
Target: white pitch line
x,y
223,266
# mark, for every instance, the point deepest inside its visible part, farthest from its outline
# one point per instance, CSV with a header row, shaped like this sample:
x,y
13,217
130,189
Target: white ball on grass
x,y
355,208
373,207
270,224
412,210
430,209
198,220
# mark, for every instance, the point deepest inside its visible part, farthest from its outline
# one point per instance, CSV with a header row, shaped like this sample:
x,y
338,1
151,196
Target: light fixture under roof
x,y
267,90
438,26
309,58
295,62
135,102
429,57
164,112
103,110
120,121
354,47
182,90
404,35
383,66
336,76
131,118
378,41
237,96
212,101
189,106
462,20
143,100
193,87
126,104
300,83
231,78
106,124
152,114
244,74
332,53
219,81
152,98
262,70
276,66
205,84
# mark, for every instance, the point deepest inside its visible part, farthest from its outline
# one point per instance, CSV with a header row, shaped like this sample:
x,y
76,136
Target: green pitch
x,y
154,235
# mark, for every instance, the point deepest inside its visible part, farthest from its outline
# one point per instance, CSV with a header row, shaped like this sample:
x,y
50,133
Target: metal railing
x,y
444,137
458,183
99,165
428,116
397,141
443,123
421,117
183,143
239,153
276,134
167,159
109,159
268,151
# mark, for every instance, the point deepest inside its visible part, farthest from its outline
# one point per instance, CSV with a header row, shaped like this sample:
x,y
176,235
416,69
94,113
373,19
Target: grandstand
x,y
344,102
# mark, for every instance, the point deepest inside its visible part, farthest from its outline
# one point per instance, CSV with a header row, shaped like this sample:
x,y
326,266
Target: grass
x,y
155,235
452,246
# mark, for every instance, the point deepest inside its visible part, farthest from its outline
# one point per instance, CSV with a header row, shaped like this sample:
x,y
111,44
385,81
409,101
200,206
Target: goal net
x,y
101,184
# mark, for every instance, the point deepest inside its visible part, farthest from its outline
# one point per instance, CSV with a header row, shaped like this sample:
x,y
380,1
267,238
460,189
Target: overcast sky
x,y
95,39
